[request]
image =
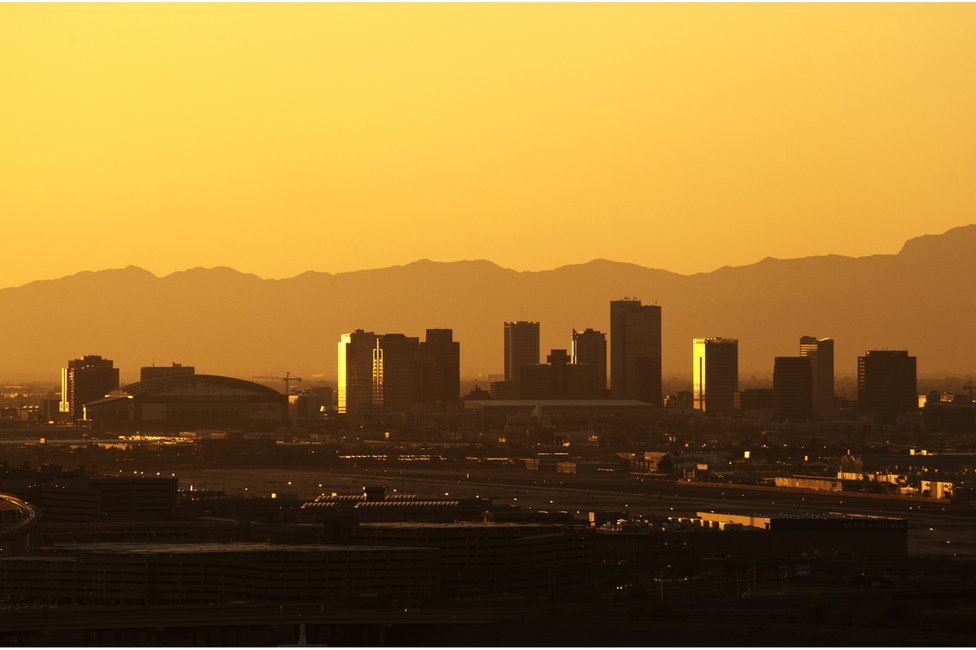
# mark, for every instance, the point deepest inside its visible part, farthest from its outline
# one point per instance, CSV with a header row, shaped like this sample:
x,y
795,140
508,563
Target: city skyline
x,y
487,324
860,302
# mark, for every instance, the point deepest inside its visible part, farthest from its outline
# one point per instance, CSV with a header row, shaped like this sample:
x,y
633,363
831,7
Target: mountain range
x,y
227,322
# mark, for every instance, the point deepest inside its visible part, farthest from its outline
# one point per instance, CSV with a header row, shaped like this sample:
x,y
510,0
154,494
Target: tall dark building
x,y
440,358
558,379
716,375
175,370
886,383
521,347
356,371
793,388
86,380
396,372
821,355
558,359
590,347
635,351
537,382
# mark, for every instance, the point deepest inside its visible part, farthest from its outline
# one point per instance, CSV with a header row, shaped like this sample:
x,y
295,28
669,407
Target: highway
x,y
29,517
932,523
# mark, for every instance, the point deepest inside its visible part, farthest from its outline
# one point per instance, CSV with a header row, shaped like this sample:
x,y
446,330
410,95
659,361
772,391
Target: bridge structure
x,y
17,520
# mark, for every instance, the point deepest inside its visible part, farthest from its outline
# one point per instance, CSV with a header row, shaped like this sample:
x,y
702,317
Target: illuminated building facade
x,y
355,393
85,380
635,351
716,375
821,355
590,347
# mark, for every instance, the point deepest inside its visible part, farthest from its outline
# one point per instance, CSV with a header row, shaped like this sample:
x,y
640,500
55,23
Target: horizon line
x,y
427,260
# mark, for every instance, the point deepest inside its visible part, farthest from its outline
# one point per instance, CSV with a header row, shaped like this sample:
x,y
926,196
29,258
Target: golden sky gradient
x,y
282,138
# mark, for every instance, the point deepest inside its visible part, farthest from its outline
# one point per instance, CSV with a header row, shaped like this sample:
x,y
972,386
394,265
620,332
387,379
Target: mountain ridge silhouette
x,y
226,321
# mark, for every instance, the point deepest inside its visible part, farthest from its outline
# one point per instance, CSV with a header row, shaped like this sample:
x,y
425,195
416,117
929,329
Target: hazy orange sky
x,y
282,138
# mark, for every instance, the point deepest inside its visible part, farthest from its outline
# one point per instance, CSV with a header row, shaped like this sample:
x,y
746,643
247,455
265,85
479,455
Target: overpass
x,y
17,519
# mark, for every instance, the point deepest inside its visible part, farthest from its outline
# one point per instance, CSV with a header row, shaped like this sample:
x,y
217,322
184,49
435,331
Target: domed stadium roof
x,y
196,386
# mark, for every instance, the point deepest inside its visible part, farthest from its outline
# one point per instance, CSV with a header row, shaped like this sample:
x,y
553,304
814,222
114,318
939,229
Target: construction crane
x,y
969,387
287,379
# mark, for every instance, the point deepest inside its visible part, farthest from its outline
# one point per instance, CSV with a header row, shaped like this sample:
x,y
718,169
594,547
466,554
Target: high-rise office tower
x,y
886,383
558,379
821,355
558,360
156,372
86,380
793,388
537,382
356,371
396,372
716,375
440,358
521,347
635,351
590,347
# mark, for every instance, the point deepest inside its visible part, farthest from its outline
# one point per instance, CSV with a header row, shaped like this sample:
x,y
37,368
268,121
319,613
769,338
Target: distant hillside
x,y
223,321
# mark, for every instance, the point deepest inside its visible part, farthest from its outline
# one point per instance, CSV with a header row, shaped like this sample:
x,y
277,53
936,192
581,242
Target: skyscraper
x,y
440,358
521,347
635,351
716,374
558,379
86,380
821,354
793,388
590,347
538,382
886,383
356,371
396,372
